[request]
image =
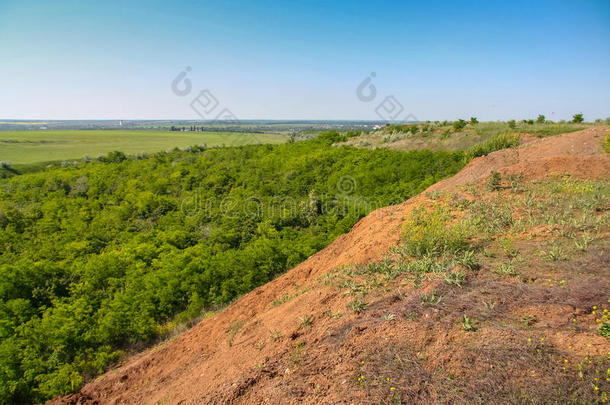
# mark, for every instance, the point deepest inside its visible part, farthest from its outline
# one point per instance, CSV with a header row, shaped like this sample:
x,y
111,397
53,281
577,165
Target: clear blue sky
x,y
304,59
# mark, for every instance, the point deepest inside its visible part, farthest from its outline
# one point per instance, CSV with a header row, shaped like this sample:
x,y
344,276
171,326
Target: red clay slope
x,y
258,352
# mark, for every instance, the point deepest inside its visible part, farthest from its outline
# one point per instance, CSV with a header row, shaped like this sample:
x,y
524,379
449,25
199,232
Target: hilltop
x,y
490,286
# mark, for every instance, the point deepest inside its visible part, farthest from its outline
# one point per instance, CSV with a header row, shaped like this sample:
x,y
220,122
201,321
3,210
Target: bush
x,y
331,137
459,125
577,118
114,157
499,142
433,233
541,119
493,183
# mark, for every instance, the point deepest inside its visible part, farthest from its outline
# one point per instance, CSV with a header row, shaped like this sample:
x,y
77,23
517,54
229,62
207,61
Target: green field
x,y
22,147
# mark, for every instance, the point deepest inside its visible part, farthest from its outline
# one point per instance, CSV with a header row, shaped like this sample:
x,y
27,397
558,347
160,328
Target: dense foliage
x,y
102,256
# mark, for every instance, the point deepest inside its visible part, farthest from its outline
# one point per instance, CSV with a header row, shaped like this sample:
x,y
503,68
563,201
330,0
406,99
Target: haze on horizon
x,y
305,60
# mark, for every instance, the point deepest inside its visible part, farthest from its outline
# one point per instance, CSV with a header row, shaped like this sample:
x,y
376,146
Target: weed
x,y
508,247
430,299
555,253
489,305
306,321
467,260
468,324
494,181
431,233
276,335
285,297
507,269
296,356
260,345
604,330
584,242
516,183
357,305
457,278
389,316
234,328
528,320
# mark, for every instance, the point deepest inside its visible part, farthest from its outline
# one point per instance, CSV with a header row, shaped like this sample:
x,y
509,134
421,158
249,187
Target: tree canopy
x,y
97,257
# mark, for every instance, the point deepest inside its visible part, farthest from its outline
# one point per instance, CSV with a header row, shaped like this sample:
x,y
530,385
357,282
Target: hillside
x,y
492,286
452,136
108,257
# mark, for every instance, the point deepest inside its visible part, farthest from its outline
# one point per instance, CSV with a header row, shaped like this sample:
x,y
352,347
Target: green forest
x,y
109,255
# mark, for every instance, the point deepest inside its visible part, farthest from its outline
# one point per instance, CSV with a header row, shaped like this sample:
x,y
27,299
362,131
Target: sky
x,y
432,60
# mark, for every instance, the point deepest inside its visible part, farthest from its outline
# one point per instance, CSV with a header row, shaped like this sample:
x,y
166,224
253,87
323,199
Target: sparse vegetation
x,y
430,299
305,321
494,181
357,305
606,144
468,324
234,329
456,278
433,233
276,335
477,139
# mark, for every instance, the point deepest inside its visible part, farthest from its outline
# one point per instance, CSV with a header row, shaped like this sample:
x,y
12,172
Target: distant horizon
x,y
34,120
67,60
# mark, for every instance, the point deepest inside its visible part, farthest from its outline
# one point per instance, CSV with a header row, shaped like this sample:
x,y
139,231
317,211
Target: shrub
x,y
499,142
114,157
494,180
331,137
468,324
432,233
577,118
541,119
512,124
459,125
474,121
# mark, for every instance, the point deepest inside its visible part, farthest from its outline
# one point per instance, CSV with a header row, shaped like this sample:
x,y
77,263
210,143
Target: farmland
x,y
25,147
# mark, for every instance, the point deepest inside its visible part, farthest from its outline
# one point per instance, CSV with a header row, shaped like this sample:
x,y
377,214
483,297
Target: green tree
x,y
577,118
113,253
459,125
